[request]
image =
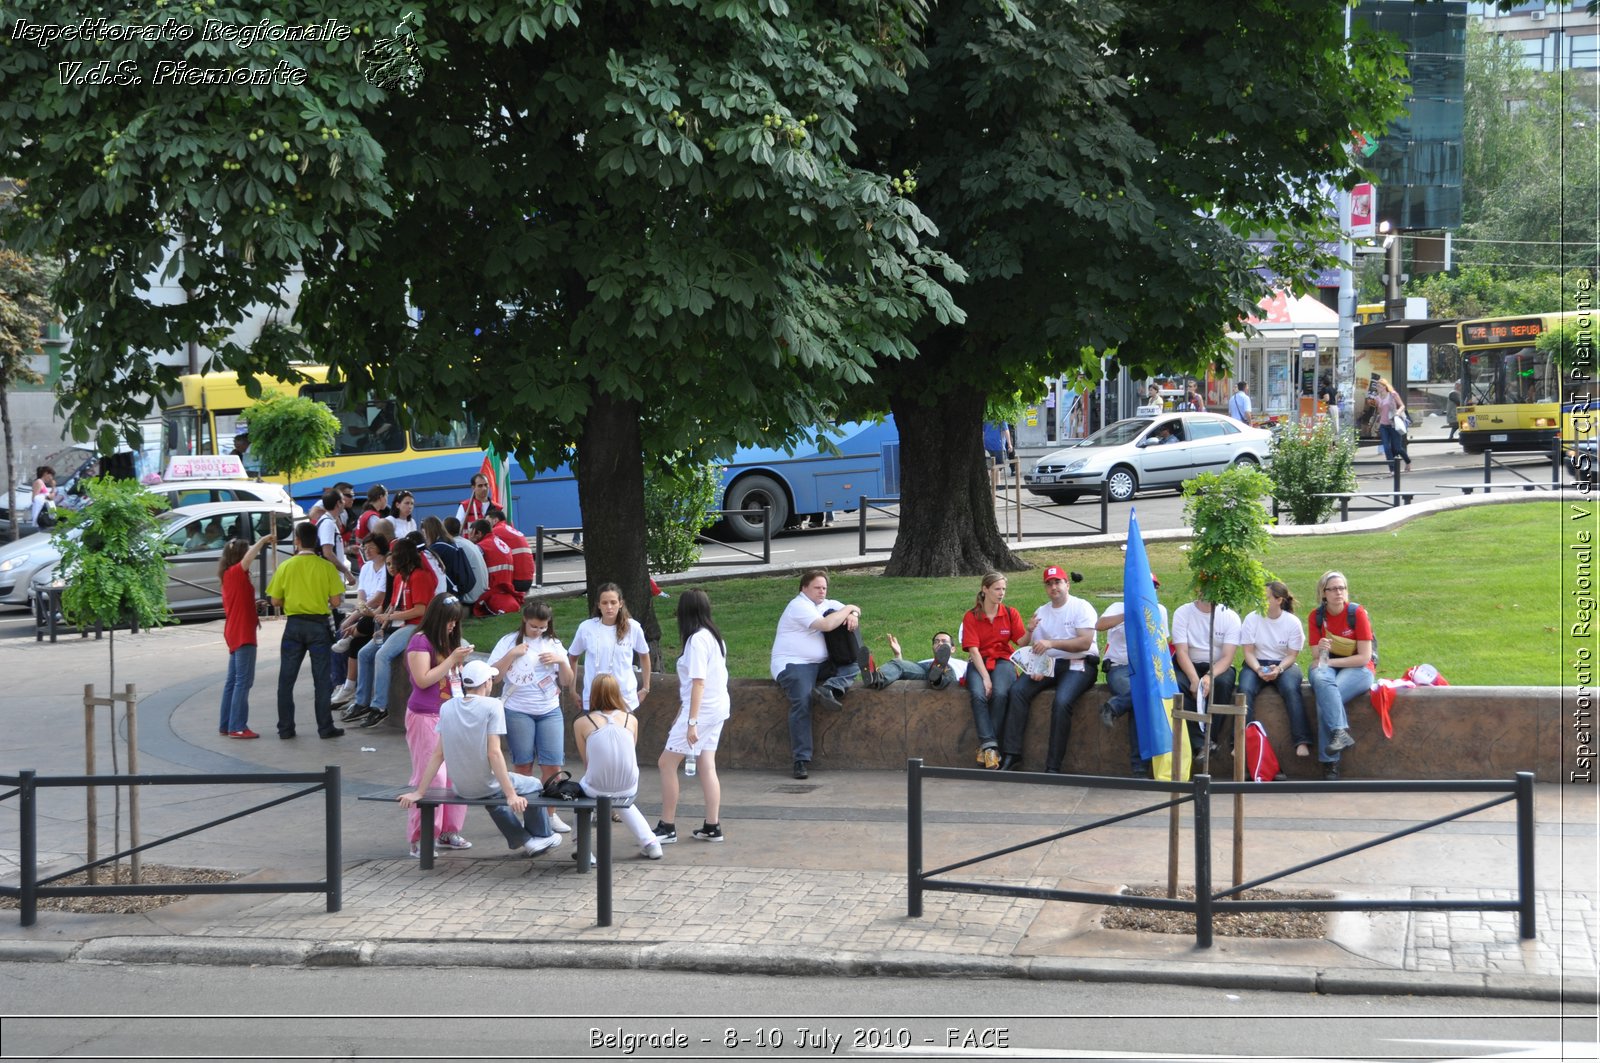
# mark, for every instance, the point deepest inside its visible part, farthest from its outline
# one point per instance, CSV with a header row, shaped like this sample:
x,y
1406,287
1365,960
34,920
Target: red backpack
x,y
1260,762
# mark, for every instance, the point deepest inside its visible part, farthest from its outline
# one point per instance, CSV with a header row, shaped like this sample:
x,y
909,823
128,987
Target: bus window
x,y
459,433
183,433
364,428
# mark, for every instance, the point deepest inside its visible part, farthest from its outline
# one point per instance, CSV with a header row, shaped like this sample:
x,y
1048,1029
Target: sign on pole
x,y
1363,211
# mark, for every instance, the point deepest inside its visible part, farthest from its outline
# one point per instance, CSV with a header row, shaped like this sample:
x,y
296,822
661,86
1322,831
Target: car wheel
x,y
1060,498
754,492
1247,459
1124,483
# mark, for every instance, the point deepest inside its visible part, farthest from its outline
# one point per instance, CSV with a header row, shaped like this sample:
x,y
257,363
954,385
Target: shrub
x,y
677,508
1308,459
113,557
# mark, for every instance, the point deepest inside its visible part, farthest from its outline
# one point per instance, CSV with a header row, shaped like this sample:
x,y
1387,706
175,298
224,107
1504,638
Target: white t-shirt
x,y
1066,621
797,642
465,727
403,526
704,658
530,687
372,580
607,656
328,535
1275,640
1190,627
1117,637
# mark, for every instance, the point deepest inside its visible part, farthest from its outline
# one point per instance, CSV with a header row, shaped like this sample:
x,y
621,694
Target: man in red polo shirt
x,y
521,552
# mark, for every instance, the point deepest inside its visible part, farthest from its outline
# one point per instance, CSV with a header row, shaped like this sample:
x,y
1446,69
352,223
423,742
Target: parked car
x,y
1146,452
197,535
19,561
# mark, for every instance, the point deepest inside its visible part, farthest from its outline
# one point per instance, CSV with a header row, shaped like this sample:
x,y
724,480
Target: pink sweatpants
x,y
422,740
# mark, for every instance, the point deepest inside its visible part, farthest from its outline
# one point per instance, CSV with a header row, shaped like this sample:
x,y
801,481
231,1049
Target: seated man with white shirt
x,y
1203,657
1063,632
800,661
941,670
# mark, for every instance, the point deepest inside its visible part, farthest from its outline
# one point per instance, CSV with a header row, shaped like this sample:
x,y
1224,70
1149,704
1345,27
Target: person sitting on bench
x,y
940,670
469,730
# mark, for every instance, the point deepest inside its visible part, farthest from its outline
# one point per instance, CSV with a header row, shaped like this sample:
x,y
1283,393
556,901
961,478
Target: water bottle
x,y
688,765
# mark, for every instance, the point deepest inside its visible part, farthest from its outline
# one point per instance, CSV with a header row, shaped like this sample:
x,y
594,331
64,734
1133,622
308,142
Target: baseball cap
x,y
477,673
242,428
1054,572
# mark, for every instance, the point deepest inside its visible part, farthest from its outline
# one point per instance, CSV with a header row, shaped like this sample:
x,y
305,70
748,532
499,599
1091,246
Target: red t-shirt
x,y
238,608
1338,624
993,638
415,589
364,524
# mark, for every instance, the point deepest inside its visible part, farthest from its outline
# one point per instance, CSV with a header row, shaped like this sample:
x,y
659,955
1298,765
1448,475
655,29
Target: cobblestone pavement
x,y
1566,923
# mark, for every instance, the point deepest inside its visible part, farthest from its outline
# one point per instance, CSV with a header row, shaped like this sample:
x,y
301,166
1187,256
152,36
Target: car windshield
x,y
1113,435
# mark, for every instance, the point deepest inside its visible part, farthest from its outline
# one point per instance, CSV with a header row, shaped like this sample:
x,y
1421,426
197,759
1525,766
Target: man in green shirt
x,y
306,587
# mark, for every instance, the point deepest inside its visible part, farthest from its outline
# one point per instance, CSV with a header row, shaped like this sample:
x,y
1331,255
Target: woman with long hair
x,y
400,514
607,737
990,630
1390,438
375,507
1271,643
1342,668
536,670
432,654
702,710
411,587
240,621
609,642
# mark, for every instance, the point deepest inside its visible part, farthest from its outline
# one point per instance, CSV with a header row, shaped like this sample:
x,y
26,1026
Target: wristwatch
x,y
694,721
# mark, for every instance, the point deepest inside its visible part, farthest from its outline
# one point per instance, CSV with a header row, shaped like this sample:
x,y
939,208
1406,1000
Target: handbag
x,y
560,787
1402,424
844,645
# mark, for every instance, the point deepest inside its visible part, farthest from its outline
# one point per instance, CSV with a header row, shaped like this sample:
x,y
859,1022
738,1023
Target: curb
x,y
732,959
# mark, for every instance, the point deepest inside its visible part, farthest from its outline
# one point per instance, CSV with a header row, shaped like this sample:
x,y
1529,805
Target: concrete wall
x,y
1439,732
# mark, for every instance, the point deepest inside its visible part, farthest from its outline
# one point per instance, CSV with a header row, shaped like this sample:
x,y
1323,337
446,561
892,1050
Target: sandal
x,y
452,841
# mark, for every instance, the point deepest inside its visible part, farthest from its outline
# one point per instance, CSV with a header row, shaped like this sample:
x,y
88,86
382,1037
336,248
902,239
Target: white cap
x,y
477,673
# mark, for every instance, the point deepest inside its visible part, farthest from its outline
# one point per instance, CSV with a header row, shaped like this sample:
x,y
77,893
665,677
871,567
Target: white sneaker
x,y
346,693
592,861
650,850
342,646
535,846
557,825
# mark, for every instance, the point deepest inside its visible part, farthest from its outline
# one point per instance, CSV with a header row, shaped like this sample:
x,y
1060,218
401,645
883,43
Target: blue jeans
x,y
236,689
305,633
533,824
1069,686
1221,692
535,738
1288,687
985,708
797,681
373,664
1332,687
1120,703
1393,445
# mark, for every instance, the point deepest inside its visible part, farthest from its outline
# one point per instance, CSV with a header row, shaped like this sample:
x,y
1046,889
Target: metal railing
x,y
747,554
1491,463
1198,793
27,784
879,505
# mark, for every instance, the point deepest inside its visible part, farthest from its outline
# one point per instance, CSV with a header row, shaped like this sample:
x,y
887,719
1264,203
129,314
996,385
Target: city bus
x,y
1515,396
828,471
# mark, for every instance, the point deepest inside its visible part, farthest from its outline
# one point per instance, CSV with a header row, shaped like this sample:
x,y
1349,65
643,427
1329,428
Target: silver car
x,y
197,535
21,559
1146,452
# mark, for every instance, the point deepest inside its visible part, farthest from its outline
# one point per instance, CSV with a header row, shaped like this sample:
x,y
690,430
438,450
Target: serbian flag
x,y
1154,684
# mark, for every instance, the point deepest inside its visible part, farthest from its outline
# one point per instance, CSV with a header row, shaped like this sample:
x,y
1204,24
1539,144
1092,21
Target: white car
x,y
19,561
1159,450
196,535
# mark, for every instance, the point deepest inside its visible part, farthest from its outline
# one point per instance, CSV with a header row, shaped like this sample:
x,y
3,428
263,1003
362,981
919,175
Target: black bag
x,y
560,787
844,645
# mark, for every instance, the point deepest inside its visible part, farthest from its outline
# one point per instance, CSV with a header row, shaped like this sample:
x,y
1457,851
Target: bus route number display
x,y
1490,332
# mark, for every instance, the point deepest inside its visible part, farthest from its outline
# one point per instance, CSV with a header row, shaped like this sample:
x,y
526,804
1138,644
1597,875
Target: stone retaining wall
x,y
1439,732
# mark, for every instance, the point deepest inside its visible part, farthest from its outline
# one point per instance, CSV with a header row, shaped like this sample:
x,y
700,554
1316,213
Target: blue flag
x,y
1149,662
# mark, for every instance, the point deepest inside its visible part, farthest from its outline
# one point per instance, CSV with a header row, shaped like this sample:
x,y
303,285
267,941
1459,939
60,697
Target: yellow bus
x,y
1515,396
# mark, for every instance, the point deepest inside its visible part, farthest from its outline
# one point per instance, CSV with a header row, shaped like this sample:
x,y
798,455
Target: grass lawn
x,y
1474,592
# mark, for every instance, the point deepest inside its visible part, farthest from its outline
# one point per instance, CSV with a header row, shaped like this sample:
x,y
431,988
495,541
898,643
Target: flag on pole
x,y
494,470
1154,684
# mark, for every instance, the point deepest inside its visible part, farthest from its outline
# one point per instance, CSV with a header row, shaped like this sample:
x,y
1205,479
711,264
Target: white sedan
x,y
1146,452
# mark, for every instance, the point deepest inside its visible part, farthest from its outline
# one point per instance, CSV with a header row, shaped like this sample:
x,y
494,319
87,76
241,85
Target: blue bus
x,y
829,470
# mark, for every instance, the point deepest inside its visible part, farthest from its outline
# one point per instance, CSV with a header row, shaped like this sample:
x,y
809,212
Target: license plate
x,y
1500,438
1038,478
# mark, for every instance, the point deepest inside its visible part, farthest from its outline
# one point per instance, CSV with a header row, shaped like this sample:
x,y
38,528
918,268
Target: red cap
x,y
1054,572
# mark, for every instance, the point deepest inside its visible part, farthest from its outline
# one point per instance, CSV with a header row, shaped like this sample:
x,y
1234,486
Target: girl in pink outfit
x,y
433,653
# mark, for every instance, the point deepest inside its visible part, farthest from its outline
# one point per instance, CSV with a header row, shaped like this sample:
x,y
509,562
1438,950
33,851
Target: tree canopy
x,y
637,227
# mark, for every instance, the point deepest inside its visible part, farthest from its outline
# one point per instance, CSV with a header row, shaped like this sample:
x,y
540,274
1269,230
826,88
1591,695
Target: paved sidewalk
x,y
811,880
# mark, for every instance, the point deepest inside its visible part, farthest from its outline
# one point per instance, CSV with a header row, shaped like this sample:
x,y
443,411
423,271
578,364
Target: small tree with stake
x,y
114,562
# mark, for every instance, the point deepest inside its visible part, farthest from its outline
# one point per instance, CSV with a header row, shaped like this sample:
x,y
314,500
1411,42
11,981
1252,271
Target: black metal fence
x,y
1198,792
1051,510
748,554
27,784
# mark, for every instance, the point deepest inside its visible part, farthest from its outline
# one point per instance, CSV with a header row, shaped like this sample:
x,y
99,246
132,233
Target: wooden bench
x,y
590,810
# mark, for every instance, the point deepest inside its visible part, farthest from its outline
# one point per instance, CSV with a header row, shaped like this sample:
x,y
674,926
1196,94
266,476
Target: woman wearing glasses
x,y
1343,667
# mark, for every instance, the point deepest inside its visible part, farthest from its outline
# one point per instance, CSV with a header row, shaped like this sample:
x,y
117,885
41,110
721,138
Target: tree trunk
x,y
11,463
610,474
947,521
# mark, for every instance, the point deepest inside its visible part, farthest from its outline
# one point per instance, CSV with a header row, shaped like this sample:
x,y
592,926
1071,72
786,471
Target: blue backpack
x,y
1349,622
